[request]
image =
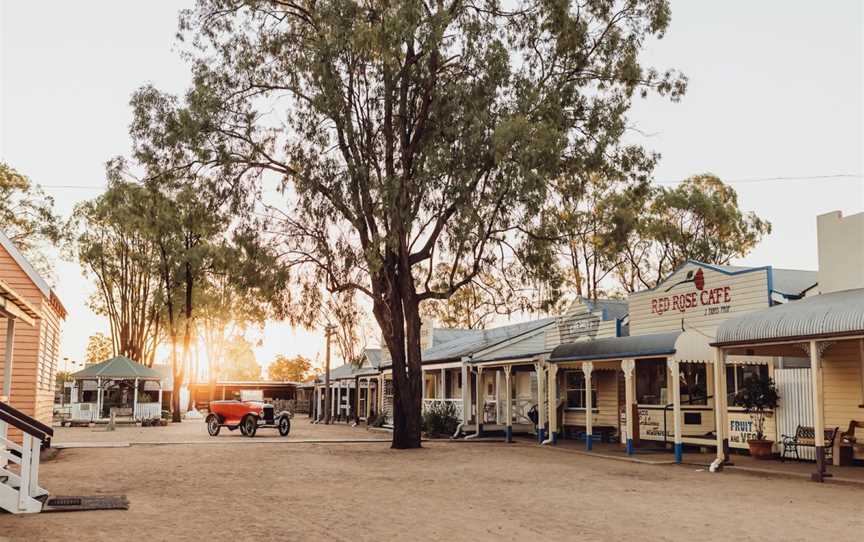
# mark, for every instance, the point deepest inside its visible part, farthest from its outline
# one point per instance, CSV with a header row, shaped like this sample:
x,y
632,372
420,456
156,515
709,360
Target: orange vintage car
x,y
249,416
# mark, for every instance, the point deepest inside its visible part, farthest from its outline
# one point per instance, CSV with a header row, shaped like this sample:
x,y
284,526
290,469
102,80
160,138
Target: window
x,y
693,384
47,356
737,374
651,382
575,385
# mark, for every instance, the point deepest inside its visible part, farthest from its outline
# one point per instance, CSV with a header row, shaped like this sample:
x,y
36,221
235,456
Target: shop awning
x,y
684,346
837,314
639,346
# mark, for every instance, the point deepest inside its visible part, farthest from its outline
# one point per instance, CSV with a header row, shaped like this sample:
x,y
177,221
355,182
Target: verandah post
x,y
587,369
720,407
552,378
541,401
628,366
675,387
818,417
508,402
481,403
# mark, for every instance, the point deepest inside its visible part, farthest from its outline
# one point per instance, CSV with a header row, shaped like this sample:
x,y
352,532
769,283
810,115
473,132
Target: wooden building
x,y
670,330
828,328
29,335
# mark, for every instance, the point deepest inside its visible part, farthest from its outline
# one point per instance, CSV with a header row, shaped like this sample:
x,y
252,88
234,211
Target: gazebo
x,y
117,385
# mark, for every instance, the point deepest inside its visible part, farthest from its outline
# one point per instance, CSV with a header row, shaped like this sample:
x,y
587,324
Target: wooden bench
x,y
805,437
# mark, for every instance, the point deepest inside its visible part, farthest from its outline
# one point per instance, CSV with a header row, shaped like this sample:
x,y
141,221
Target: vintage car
x,y
249,416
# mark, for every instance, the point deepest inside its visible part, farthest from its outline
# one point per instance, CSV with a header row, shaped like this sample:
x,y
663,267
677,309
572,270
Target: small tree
x,y
99,348
291,369
758,396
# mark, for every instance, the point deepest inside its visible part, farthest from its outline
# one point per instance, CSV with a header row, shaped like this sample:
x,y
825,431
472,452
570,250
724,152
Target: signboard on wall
x,y
699,295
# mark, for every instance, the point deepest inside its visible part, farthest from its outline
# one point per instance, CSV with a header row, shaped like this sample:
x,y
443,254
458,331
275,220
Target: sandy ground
x,y
196,430
446,491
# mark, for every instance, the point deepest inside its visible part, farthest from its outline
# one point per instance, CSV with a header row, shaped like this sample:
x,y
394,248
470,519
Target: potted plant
x,y
758,396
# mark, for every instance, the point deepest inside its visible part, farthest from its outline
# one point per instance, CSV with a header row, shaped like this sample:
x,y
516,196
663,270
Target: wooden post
x,y
7,361
481,402
442,393
7,379
160,399
497,396
541,401
466,393
628,366
552,379
98,397
508,401
327,392
135,400
587,369
818,415
720,407
675,388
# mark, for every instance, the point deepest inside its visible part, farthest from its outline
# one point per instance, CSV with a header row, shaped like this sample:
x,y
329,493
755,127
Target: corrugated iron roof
x,y
836,313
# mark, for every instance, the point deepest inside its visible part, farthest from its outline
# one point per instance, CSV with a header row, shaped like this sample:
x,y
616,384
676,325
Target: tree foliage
x,y
295,369
99,348
27,217
112,238
700,219
240,363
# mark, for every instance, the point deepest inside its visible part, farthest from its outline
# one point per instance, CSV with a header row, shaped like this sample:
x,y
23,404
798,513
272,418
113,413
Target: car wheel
x,y
249,426
243,427
213,425
284,426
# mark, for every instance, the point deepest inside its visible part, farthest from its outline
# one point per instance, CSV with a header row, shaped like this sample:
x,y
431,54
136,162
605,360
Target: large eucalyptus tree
x,y
411,134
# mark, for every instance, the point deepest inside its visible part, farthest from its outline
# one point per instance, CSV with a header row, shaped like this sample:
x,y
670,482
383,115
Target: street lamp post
x,y
328,330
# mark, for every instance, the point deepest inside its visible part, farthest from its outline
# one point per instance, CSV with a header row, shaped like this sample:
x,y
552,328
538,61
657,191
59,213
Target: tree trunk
x,y
399,318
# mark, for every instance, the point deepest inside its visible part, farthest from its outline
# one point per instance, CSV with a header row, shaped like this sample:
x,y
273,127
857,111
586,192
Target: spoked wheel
x,y
284,426
213,425
249,426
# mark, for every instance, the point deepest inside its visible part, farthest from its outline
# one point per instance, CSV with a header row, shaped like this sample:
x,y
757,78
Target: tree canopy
x,y
27,217
295,369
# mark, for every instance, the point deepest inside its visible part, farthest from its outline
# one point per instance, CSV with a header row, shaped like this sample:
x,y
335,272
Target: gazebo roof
x,y
118,368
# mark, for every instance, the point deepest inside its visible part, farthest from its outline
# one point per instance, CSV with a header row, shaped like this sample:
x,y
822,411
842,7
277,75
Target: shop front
x,y
661,384
829,330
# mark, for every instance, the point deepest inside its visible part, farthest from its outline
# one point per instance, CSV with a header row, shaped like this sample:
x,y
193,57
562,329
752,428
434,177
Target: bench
x,y
849,439
804,437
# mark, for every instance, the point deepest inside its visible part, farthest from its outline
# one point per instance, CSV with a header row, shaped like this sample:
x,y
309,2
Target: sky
x,y
775,91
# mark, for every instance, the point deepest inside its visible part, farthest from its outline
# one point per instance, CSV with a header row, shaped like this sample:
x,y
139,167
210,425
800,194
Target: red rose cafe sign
x,y
711,300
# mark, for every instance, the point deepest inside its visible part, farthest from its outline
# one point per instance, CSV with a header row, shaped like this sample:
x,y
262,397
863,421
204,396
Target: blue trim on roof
x,y
770,286
712,268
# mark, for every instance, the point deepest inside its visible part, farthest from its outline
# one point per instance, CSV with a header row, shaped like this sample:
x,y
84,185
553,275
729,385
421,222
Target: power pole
x,y
328,330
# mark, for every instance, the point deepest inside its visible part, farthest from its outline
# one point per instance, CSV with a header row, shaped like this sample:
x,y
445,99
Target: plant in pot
x,y
758,396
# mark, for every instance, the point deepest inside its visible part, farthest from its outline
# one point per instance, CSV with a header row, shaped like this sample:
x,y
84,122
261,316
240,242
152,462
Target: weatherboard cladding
x,y
835,313
699,296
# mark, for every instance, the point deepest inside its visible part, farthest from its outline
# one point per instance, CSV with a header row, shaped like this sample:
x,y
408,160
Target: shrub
x,y
757,396
378,421
440,419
